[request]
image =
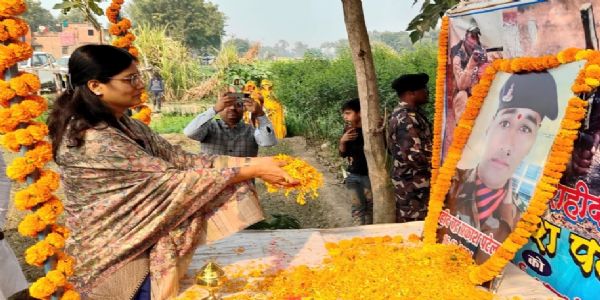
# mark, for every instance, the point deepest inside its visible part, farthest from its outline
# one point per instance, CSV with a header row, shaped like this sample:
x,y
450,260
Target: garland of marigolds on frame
x,y
119,27
440,81
587,80
19,106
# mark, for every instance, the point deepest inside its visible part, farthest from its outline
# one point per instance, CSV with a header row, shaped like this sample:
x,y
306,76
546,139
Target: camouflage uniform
x,y
410,141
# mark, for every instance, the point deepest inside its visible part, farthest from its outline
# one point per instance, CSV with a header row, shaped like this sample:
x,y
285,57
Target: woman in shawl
x,y
137,206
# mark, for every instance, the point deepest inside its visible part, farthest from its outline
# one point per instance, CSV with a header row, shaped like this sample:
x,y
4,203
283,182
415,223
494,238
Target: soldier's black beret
x,y
410,82
535,90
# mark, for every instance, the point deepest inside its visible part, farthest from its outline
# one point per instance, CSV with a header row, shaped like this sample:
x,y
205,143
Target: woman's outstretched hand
x,y
267,169
273,173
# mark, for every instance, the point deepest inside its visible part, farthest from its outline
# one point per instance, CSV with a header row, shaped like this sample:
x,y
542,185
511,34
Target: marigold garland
x,y
557,159
310,179
19,105
440,82
124,39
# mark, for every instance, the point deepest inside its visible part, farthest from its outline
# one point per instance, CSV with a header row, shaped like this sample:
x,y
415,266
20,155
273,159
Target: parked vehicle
x,y
44,65
63,63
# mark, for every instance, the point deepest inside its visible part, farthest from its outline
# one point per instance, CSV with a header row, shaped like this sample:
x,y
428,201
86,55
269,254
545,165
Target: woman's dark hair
x,y
352,104
78,106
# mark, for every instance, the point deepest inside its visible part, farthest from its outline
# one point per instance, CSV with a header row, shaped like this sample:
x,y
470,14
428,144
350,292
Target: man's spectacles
x,y
134,80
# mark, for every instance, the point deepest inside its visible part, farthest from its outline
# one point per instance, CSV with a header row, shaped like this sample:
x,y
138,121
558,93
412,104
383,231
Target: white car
x,y
44,65
63,63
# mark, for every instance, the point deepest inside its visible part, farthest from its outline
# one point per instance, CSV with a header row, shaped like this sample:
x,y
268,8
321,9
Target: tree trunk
x,y
383,201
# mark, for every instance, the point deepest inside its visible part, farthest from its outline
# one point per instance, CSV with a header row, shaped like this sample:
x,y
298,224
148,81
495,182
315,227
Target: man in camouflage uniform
x,y
409,141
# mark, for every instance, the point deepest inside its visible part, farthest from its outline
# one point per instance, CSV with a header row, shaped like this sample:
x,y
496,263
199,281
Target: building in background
x,y
62,43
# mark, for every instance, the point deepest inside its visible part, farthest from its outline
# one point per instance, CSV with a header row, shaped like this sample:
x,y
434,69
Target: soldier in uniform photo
x,y
484,196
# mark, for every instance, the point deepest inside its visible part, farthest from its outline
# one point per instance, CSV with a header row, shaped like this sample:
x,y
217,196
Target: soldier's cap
x,y
474,29
535,90
410,82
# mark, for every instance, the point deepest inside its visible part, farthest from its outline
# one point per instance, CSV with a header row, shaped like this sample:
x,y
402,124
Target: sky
x,y
309,21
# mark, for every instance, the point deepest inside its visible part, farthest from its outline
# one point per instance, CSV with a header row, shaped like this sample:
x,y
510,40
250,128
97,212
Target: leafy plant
x,y
277,221
313,89
426,20
171,123
171,58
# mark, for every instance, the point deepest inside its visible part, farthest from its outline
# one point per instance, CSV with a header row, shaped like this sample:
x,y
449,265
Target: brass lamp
x,y
210,276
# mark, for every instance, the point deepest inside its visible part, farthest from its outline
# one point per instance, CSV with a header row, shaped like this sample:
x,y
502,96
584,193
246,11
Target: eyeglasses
x,y
134,80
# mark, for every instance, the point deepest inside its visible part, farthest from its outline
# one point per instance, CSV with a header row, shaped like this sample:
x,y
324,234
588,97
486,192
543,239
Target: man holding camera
x,y
469,58
220,130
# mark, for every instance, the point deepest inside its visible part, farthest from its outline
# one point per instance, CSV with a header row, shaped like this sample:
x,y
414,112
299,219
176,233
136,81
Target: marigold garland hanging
x,y
124,39
557,159
19,106
438,117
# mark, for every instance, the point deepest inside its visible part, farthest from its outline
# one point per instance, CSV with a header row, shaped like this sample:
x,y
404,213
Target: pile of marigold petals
x,y
310,179
368,268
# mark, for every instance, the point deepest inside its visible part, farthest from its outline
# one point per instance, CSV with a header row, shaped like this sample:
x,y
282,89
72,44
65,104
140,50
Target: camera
x,y
479,55
239,97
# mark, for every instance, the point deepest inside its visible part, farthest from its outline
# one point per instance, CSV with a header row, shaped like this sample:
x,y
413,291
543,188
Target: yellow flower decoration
x,y
310,179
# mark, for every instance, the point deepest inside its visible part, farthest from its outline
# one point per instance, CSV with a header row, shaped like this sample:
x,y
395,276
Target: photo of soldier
x,y
469,58
484,196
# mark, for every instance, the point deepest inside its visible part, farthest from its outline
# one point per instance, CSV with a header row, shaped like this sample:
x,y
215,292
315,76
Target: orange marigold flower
x,y
42,288
65,264
31,225
57,277
56,240
70,295
25,84
19,169
15,27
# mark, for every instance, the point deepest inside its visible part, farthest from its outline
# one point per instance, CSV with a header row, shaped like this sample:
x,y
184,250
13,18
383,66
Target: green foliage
x,y
314,88
38,16
197,23
171,123
400,41
426,20
73,16
179,70
241,45
246,72
277,221
87,8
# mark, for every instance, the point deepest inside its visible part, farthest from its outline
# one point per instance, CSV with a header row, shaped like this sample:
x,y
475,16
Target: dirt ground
x,y
331,209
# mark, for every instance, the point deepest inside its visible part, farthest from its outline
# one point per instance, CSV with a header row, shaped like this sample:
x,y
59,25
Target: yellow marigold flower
x,y
19,169
42,288
593,82
56,240
70,295
57,277
62,230
31,225
25,84
310,179
49,212
37,254
65,264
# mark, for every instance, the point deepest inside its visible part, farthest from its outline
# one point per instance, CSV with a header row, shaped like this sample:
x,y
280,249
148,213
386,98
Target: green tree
x,y
299,49
196,22
73,16
242,45
38,16
426,20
